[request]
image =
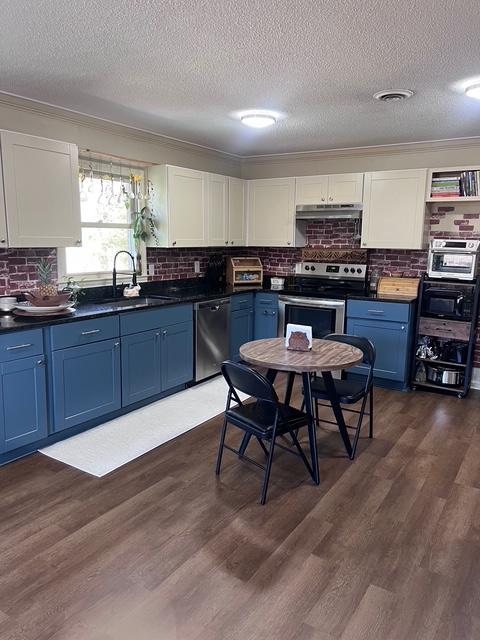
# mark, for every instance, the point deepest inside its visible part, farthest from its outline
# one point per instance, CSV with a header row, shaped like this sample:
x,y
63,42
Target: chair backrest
x,y
364,344
242,378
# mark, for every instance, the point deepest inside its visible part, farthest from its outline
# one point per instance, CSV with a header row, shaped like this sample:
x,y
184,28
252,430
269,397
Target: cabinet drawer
x,y
20,344
137,321
393,311
444,328
241,301
267,300
75,334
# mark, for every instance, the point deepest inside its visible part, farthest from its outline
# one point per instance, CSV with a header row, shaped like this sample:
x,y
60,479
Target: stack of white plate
x,y
28,309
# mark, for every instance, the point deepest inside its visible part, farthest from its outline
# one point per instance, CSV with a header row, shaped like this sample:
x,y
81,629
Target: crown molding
x,y
362,152
115,128
109,126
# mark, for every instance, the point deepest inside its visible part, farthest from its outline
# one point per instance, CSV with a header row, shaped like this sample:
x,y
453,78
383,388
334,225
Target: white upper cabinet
x,y
186,193
329,189
236,235
179,204
345,187
311,190
271,212
42,201
217,210
3,215
394,209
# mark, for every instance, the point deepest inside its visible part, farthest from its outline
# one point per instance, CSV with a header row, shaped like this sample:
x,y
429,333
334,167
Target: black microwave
x,y
448,301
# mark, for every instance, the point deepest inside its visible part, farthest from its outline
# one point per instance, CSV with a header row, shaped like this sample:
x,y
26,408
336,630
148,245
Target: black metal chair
x,y
266,419
350,391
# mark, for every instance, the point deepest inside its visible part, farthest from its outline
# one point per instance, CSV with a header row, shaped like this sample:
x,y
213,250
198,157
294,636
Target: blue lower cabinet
x,y
391,340
176,354
140,366
266,316
241,330
23,416
86,382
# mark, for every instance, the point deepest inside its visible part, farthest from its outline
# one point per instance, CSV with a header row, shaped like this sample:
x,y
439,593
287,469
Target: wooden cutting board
x,y
398,286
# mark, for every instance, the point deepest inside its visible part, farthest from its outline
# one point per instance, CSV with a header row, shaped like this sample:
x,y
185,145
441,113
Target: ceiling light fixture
x,y
258,120
393,95
473,91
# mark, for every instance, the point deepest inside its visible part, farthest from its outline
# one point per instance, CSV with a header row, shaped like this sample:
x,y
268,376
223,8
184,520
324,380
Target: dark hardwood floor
x,y
386,548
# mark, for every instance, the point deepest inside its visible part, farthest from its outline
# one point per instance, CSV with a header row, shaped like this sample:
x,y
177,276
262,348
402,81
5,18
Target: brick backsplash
x,y
17,266
18,270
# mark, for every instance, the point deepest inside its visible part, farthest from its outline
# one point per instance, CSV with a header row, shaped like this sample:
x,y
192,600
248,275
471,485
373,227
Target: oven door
x,y
324,316
452,264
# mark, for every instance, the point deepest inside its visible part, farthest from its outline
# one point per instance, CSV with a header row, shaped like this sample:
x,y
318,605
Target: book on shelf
x,y
464,184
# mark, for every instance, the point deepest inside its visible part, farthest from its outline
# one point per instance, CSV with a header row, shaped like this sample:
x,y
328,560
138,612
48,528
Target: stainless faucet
x,y
114,272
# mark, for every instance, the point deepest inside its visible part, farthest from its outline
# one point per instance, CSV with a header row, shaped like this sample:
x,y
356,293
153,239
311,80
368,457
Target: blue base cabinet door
x,y
266,316
391,344
23,402
140,366
86,382
241,330
176,352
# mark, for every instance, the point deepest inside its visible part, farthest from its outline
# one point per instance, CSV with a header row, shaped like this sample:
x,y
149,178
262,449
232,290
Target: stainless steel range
x,y
316,296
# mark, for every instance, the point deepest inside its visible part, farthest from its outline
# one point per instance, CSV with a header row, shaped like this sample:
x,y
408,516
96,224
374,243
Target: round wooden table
x,y
324,357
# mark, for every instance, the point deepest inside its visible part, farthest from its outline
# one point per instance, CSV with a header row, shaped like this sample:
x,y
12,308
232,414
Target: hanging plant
x,y
144,225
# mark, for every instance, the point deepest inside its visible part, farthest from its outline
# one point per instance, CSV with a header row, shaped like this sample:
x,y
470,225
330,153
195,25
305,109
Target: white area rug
x,y
111,445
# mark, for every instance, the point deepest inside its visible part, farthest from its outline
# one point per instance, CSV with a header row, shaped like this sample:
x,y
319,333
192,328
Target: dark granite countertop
x,y
178,292
96,309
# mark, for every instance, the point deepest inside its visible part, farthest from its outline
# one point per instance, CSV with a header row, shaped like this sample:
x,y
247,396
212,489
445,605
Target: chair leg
x,y
370,431
359,428
302,455
268,468
264,448
220,446
317,415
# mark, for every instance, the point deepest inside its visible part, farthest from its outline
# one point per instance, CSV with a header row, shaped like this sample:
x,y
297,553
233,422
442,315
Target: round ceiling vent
x,y
391,95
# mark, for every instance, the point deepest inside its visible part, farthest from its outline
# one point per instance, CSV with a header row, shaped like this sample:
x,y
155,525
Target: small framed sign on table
x,y
298,337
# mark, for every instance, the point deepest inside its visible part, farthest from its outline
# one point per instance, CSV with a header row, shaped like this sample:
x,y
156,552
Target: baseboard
x,y
475,384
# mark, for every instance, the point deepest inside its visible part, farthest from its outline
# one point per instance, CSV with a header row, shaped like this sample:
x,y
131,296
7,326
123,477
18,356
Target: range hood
x,y
350,210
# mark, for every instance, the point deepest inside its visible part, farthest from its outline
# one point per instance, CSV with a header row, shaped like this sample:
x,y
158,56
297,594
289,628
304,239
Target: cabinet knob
x,y
78,243
330,198
231,242
323,199
364,244
3,241
174,243
117,344
226,241
40,363
164,332
289,242
403,327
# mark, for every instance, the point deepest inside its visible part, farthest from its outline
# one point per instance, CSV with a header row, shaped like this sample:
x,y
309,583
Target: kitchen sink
x,y
131,303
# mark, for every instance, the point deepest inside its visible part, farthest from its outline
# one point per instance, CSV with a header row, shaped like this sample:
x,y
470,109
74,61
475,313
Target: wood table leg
x,y
312,432
271,375
337,410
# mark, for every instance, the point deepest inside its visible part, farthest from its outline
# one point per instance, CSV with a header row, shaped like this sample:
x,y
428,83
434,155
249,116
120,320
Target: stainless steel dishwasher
x,y
212,321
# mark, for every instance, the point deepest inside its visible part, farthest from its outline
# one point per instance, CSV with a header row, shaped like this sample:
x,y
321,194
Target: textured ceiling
x,y
180,68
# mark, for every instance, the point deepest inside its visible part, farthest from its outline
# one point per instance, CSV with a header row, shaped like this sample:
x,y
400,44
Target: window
x,y
107,200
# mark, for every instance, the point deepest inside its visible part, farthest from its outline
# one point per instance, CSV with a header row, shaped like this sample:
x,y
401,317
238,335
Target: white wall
x,y
90,133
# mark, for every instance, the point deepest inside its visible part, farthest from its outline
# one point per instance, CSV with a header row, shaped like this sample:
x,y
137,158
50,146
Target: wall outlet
x,y
151,269
196,266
